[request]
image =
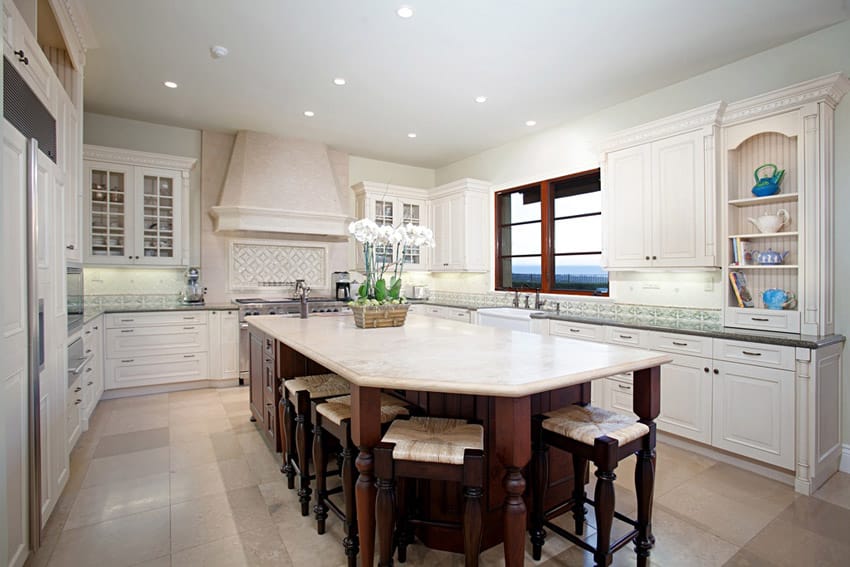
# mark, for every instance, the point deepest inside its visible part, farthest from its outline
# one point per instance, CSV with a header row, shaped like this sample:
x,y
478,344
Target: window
x,y
549,236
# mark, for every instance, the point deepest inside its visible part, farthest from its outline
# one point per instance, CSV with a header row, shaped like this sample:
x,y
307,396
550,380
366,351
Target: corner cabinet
x,y
460,212
659,194
136,207
792,128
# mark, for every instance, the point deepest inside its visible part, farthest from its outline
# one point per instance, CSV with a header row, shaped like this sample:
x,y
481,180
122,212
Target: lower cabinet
x,y
92,375
262,395
686,398
442,312
224,344
754,412
73,423
153,370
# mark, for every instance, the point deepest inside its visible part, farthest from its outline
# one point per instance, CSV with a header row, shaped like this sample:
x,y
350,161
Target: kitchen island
x,y
510,369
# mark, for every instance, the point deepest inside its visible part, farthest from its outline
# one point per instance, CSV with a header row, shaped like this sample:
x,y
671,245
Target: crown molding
x,y
829,89
76,29
380,189
133,157
706,115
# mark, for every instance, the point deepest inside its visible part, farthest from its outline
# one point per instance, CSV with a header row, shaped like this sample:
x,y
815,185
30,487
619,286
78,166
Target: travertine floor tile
x,y
127,420
786,544
116,543
127,466
110,445
116,499
257,548
211,478
200,521
164,561
836,490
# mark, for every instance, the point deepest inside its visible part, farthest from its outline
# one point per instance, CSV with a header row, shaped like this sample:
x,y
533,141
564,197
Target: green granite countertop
x,y
90,313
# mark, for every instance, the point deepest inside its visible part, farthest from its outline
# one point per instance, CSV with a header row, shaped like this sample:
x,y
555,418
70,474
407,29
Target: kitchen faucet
x,y
527,297
538,303
301,290
516,298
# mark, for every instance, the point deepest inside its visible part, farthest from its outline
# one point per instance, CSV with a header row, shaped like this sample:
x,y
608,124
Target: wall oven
x,y
74,292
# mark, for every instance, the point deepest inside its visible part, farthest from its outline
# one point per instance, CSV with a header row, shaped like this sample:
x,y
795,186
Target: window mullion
x,y
546,225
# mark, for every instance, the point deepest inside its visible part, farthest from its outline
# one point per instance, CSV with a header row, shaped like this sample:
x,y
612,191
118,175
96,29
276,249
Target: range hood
x,y
286,186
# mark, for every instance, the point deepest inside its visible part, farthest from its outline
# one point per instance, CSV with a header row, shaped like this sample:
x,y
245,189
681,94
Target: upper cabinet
x,y
136,208
23,52
659,195
791,129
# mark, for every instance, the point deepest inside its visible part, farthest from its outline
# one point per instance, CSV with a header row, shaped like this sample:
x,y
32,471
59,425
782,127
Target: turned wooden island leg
x,y
366,433
513,449
647,405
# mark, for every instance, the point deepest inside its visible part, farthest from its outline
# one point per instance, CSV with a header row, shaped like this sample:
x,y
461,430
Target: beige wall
x,y
572,147
115,132
365,169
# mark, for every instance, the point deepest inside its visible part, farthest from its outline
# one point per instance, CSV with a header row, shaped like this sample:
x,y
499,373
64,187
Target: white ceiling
x,y
543,60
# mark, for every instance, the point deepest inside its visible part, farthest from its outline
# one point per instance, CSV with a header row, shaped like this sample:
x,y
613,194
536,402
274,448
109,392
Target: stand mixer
x,y
192,292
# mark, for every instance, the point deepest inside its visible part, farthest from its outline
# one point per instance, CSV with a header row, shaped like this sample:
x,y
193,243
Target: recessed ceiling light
x,y
339,81
405,12
481,99
411,135
218,51
170,84
530,122
309,113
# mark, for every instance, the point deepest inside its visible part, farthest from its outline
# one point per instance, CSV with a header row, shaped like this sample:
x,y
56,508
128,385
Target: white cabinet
x,y
23,52
73,419
573,330
442,312
70,161
660,204
148,349
686,398
393,205
461,233
92,375
754,412
224,344
135,213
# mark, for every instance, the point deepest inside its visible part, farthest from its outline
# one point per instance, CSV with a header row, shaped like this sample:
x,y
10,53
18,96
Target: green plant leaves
x,y
395,288
381,290
363,291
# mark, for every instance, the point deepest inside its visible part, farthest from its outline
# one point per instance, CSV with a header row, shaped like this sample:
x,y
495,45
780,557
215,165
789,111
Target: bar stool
x,y
428,448
295,429
604,438
333,417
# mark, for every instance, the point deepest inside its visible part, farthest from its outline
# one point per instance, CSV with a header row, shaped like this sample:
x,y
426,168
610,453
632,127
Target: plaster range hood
x,y
291,187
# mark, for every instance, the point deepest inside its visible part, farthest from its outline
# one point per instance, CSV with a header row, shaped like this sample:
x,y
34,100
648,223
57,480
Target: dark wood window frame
x,y
547,236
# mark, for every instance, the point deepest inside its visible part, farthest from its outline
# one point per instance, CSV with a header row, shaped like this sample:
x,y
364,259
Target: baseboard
x,y
845,458
166,388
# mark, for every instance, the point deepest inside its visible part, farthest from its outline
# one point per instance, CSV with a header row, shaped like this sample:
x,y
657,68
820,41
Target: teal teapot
x,y
769,184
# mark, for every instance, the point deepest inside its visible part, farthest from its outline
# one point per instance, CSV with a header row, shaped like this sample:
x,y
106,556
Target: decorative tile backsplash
x,y
583,307
134,281
260,265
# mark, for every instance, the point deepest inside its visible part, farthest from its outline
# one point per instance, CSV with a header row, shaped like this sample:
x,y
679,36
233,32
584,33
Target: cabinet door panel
x,y
152,370
229,344
686,390
108,220
626,190
754,412
156,340
158,200
678,188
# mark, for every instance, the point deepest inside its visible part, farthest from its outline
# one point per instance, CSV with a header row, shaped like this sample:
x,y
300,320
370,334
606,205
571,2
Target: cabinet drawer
x,y
628,337
268,349
432,310
456,314
152,370
157,318
681,344
764,319
620,395
142,341
583,331
757,354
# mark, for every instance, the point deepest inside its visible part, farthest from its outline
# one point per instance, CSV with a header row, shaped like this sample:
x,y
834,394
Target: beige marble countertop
x,y
437,355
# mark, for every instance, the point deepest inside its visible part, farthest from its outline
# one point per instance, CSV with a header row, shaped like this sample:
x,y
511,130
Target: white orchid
x,y
398,239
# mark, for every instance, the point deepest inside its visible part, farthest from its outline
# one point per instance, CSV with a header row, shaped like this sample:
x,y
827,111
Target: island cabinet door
x,y
754,412
686,390
256,365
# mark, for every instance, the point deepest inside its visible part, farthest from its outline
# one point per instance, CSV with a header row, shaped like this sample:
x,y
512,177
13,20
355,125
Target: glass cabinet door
x,y
411,215
159,205
109,215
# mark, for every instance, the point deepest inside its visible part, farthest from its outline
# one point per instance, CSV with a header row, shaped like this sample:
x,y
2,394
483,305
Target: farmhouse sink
x,y
507,318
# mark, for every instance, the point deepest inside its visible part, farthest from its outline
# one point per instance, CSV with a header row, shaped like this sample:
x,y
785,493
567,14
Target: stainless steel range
x,y
286,307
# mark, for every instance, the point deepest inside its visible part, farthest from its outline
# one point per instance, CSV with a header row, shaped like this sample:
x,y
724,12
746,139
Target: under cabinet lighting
x,y
309,113
170,84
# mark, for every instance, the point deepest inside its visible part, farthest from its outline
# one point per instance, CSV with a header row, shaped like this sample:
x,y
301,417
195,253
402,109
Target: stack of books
x,y
742,254
740,289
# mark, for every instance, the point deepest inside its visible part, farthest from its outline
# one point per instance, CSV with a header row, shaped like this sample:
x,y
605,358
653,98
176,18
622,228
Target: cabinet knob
x,y
716,371
647,257
706,369
654,257
70,247
21,58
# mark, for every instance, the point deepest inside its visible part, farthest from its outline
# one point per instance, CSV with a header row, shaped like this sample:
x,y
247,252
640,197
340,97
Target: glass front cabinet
x,y
135,214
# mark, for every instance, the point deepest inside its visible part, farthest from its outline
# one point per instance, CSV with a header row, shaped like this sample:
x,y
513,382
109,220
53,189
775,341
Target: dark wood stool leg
x,y
644,487
605,457
302,432
385,503
539,481
349,478
402,530
320,510
579,494
288,440
473,481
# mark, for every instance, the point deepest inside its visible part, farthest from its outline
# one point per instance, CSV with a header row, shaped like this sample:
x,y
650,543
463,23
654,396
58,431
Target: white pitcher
x,y
772,223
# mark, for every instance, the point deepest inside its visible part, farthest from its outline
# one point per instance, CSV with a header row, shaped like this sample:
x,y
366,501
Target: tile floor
x,y
185,479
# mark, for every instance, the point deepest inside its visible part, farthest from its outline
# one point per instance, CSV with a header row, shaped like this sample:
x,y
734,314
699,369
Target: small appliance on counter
x,y
342,283
193,293
420,292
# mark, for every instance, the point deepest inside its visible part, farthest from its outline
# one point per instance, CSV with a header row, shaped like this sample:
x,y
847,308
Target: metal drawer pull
x,y
90,384
125,321
626,337
88,350
624,387
188,356
575,330
188,328
679,344
748,353
192,318
128,361
761,319
77,389
78,402
88,369
126,330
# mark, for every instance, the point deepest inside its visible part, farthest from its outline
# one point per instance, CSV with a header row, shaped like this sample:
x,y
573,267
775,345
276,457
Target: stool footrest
x,y
617,515
615,546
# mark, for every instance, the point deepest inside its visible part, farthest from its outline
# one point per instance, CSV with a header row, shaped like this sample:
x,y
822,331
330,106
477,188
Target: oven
x,y
74,295
249,307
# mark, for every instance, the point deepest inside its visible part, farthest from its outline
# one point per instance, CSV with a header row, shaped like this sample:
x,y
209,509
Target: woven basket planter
x,y
376,316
